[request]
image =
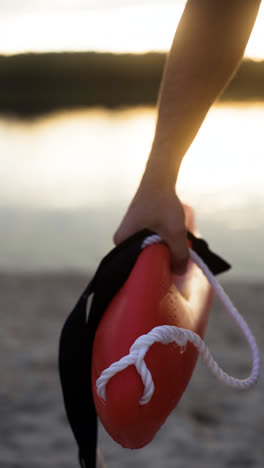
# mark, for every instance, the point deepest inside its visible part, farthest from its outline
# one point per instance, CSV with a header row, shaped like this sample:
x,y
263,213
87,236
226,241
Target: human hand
x,y
158,208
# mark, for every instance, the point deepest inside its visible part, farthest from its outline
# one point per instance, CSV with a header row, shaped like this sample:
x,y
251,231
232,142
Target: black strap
x,y
215,263
76,342
77,336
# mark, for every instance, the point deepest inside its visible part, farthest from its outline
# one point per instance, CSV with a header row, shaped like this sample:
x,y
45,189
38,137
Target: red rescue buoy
x,y
151,296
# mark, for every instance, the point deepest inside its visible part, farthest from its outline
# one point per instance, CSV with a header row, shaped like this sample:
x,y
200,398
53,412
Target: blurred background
x,y
78,87
79,81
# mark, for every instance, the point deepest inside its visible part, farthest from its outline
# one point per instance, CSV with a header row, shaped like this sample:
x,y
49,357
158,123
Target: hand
x,y
159,209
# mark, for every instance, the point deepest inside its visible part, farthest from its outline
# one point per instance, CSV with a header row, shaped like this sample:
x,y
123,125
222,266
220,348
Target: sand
x,y
213,426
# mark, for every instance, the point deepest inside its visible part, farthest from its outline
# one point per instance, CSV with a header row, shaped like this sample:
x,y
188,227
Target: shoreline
x,y
38,83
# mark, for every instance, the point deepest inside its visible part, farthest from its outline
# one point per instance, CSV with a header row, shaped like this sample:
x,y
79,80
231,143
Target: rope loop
x,y
166,334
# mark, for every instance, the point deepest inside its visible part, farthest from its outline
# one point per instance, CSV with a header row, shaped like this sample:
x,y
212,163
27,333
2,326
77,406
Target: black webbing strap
x,y
77,336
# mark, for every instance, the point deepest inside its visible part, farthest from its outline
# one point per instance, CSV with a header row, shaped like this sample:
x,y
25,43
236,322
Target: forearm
x,y
207,48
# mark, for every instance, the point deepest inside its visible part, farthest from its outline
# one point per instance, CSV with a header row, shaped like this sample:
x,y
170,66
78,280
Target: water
x,y
67,178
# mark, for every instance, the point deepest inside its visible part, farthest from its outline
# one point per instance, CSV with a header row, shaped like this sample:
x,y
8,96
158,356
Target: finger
x,y
117,237
179,252
124,231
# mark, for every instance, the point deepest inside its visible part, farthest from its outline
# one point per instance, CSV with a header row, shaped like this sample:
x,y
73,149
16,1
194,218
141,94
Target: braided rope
x,y
167,334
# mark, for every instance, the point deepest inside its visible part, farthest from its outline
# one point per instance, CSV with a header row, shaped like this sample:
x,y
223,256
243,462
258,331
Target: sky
x,y
99,25
20,6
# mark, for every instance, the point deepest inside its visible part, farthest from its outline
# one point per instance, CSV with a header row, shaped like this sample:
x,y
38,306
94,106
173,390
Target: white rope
x,y
167,334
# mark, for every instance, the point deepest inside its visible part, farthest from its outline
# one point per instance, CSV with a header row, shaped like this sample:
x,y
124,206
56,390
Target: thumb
x,y
178,246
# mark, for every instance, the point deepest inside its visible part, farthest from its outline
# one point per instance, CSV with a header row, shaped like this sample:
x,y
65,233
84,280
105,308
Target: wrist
x,y
161,171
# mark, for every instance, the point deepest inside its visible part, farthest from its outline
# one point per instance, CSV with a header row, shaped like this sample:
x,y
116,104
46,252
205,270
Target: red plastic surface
x,y
151,296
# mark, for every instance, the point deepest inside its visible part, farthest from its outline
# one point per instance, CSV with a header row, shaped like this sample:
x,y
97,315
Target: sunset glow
x,y
65,155
138,29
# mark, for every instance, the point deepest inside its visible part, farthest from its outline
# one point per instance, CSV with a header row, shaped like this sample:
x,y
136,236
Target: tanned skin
x,y
208,46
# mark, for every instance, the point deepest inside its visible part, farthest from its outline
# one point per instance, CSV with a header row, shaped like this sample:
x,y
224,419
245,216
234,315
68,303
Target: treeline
x,y
35,83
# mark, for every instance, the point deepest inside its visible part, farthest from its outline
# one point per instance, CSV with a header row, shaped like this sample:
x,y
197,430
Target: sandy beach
x,y
213,426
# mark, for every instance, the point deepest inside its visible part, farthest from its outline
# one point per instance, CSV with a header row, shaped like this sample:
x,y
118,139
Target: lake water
x,y
66,179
